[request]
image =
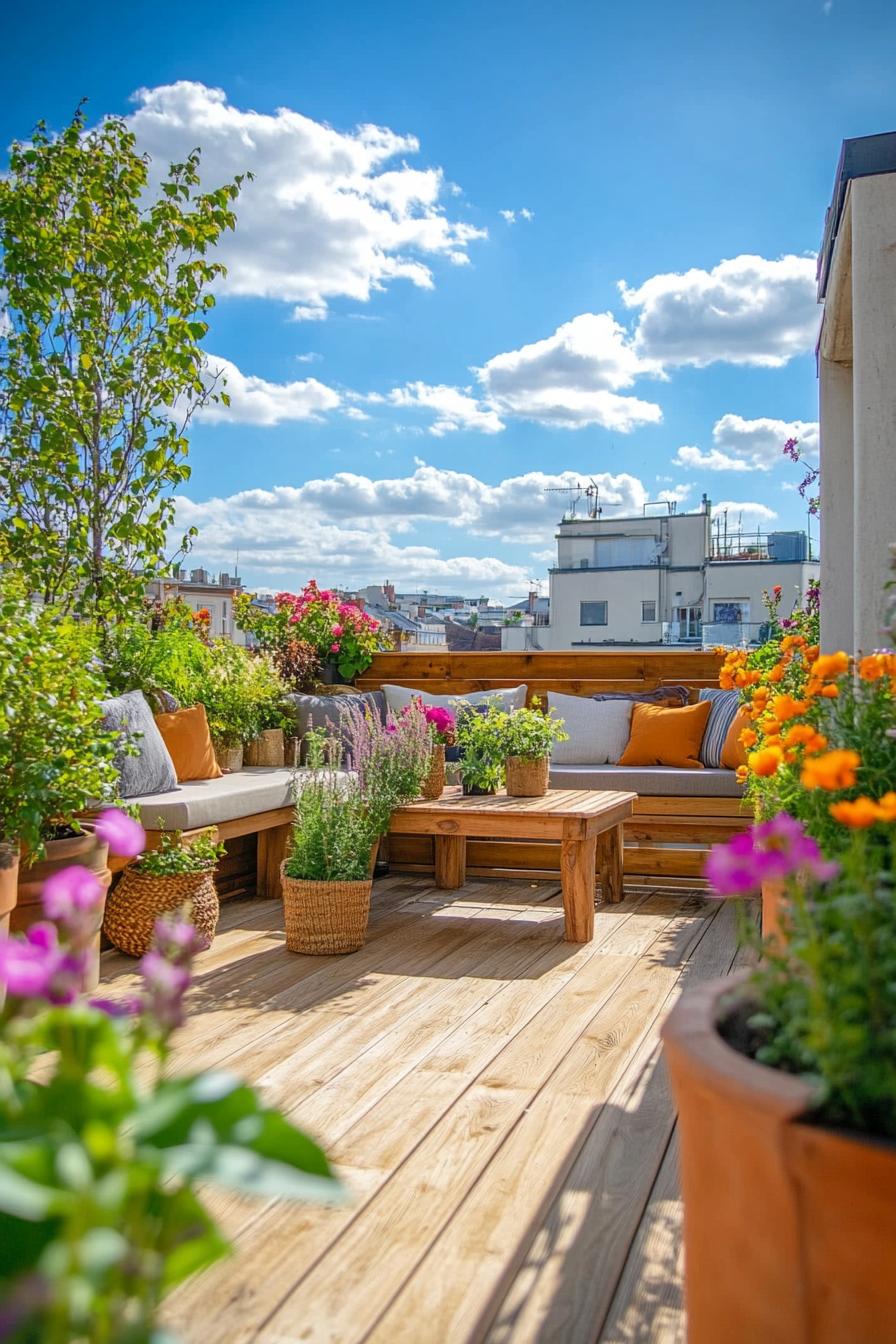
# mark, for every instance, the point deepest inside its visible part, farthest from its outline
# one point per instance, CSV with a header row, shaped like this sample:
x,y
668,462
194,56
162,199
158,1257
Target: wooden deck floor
x,y
494,1099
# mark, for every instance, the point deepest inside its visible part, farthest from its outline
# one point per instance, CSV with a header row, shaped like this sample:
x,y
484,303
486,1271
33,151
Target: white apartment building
x,y
665,578
202,589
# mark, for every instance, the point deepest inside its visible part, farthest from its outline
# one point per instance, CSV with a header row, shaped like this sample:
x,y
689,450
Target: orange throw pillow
x,y
186,735
734,753
667,736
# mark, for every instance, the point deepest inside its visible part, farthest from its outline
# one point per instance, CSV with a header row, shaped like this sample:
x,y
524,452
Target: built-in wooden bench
x,y
666,838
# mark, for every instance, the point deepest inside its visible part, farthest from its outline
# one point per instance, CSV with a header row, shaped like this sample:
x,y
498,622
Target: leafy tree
x,y
105,283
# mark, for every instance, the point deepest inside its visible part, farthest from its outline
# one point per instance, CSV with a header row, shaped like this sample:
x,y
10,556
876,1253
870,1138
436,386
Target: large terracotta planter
x,y
268,748
85,850
9,882
789,1228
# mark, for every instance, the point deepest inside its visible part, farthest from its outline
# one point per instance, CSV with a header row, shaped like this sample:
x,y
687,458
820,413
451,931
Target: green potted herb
x,y
480,738
266,689
529,735
326,876
176,876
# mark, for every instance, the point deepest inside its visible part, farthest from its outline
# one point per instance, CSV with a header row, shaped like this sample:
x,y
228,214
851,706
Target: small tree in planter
x,y
174,877
529,736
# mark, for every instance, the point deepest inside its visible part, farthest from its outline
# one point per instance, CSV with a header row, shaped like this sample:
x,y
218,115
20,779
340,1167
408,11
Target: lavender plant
x,y
389,757
99,1215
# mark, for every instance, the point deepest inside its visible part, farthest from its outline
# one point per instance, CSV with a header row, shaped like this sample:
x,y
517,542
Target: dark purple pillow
x,y
670,695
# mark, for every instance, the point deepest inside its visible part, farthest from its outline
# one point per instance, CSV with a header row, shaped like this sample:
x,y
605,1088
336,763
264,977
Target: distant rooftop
x,y
865,156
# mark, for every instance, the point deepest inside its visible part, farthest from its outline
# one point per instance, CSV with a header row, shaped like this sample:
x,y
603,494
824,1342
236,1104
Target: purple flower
x,y
178,940
70,893
121,833
771,851
118,1007
36,967
164,988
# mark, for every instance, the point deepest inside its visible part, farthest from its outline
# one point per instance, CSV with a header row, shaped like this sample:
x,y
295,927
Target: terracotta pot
x,y
434,783
268,748
9,881
84,849
323,918
526,778
230,759
787,1226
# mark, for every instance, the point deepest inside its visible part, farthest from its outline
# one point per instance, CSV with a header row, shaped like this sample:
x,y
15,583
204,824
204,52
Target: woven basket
x,y
140,898
268,748
434,783
230,759
325,917
525,778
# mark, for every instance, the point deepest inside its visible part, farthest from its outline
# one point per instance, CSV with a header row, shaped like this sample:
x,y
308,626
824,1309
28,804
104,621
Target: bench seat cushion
x,y
207,802
657,780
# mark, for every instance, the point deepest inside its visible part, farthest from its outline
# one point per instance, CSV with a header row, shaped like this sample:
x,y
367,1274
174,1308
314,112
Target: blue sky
x,y
409,367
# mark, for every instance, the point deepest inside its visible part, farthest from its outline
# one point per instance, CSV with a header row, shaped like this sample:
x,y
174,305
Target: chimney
x,y
389,590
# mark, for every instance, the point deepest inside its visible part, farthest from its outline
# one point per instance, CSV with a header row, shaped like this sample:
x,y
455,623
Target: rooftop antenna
x,y
575,493
595,508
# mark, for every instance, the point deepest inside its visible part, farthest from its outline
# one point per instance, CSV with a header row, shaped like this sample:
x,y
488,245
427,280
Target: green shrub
x,y
531,734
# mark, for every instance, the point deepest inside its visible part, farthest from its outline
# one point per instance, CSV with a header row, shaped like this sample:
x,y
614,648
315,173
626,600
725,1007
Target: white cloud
x,y
750,445
527,214
454,408
329,214
355,413
748,510
746,310
255,401
572,378
509,216
309,357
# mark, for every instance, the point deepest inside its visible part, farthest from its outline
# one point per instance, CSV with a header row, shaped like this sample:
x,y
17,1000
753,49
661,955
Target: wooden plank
x,y
517,667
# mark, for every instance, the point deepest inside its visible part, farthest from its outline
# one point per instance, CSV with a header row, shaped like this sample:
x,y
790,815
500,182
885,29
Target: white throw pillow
x,y
397,697
598,729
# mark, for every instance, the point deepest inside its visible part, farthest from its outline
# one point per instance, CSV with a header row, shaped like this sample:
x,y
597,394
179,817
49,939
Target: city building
x,y
199,590
665,578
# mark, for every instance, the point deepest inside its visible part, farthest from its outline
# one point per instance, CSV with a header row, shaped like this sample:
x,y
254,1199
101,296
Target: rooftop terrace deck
x,y
494,1099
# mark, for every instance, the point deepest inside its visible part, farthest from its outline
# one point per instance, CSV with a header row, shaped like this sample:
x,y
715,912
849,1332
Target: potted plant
x,y
480,738
441,732
104,1152
326,876
273,632
228,690
343,636
529,735
390,758
173,877
56,760
267,689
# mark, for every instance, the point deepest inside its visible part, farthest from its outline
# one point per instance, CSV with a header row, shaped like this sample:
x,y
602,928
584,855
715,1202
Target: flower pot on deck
x,y
268,748
9,883
229,758
323,918
85,850
140,899
526,778
788,1226
434,784
474,791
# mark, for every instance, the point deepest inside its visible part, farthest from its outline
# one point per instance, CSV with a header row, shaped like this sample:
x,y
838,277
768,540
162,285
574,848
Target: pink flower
x,y
72,898
336,629
121,833
117,1007
165,985
36,967
334,648
771,851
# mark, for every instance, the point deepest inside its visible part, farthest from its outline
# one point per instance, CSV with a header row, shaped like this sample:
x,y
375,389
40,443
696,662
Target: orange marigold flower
x,y
811,652
741,774
876,666
832,770
792,642
804,735
829,666
829,692
749,737
785,707
776,674
765,761
857,815
887,806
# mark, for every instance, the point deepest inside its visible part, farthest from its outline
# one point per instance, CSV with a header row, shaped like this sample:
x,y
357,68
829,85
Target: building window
x,y
592,613
731,613
648,611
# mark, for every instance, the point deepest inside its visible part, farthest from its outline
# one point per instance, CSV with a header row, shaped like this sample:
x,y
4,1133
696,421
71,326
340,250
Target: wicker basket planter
x,y
140,898
434,783
323,918
268,748
526,778
230,759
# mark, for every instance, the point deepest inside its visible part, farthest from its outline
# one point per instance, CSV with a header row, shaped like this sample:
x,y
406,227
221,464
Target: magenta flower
x,y
336,629
118,1007
36,967
178,940
164,988
334,648
70,893
771,851
121,833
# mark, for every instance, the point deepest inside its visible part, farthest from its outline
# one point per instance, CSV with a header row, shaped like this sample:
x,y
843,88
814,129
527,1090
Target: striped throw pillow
x,y
723,708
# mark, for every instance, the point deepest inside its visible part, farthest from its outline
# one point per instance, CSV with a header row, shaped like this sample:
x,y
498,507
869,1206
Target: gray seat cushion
x,y
151,770
207,802
659,780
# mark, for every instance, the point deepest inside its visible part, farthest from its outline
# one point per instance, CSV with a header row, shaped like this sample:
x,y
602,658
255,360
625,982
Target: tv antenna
x,y
575,493
592,494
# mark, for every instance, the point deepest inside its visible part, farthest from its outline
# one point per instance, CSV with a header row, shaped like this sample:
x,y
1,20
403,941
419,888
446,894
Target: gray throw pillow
x,y
324,711
152,769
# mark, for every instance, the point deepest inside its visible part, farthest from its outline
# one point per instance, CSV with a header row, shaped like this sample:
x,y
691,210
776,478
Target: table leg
x,y
451,862
577,861
610,847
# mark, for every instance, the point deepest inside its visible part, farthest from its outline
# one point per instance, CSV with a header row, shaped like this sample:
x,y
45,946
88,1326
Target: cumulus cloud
x,y
511,216
573,377
329,214
454,408
746,310
747,510
749,445
255,401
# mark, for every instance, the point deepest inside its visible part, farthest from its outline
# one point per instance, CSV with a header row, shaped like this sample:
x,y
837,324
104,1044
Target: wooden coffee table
x,y
588,824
